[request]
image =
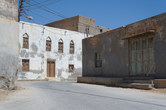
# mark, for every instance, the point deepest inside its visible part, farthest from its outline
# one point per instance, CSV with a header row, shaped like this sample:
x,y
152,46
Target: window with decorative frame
x,y
60,46
71,47
48,44
25,41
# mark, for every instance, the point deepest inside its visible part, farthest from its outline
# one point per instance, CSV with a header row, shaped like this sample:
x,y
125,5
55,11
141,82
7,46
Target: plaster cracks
x,y
38,56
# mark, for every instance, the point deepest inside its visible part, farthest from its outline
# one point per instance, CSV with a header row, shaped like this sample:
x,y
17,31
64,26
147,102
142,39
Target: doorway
x,y
141,55
50,68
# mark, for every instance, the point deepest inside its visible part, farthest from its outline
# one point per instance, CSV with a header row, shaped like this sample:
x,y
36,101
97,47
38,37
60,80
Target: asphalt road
x,y
73,96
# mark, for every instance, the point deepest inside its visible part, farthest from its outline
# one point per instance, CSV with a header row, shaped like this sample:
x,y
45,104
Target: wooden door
x,y
141,55
50,68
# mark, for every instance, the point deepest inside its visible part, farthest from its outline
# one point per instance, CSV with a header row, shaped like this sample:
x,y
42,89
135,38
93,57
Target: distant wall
x,y
68,24
79,24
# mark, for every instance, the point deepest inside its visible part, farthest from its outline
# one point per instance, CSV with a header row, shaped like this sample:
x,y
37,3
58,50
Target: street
x,y
74,96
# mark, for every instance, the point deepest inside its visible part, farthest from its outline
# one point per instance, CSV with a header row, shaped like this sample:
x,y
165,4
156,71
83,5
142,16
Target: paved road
x,y
73,96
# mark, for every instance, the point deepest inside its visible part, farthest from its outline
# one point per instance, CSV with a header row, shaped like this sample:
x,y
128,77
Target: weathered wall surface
x,y
8,52
113,52
38,55
9,9
9,34
68,24
79,24
113,46
160,46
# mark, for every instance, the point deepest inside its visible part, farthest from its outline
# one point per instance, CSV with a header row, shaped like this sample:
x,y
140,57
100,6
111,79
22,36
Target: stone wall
x,y
113,46
38,55
79,24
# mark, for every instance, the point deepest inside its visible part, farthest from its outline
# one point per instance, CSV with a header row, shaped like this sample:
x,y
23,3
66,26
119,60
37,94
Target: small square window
x,y
25,65
71,68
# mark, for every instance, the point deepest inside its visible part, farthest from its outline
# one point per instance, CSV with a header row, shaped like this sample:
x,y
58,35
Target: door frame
x,y
145,36
54,61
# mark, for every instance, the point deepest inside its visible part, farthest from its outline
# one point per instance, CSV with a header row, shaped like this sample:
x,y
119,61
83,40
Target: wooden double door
x,y
50,68
141,57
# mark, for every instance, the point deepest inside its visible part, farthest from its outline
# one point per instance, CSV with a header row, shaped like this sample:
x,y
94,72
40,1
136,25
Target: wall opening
x,y
25,41
141,55
50,68
71,47
98,60
71,68
25,65
48,44
60,46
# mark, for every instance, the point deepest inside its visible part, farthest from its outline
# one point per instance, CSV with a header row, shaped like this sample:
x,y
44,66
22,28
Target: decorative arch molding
x,y
71,50
25,41
60,46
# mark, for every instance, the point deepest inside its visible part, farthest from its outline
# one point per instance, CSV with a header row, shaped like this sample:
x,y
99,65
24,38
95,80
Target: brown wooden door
x,y
50,68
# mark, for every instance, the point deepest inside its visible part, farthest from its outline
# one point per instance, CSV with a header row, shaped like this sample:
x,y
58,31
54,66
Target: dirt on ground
x,y
5,93
159,91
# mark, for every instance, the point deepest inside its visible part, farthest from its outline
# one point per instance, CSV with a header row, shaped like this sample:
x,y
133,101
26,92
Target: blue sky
x,y
107,13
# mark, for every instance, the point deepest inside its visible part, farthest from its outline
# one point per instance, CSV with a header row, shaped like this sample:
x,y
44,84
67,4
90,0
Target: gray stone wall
x,y
113,46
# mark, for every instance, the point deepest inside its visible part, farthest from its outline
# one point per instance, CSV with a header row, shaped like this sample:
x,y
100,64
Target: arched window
x,y
48,44
71,47
25,41
60,46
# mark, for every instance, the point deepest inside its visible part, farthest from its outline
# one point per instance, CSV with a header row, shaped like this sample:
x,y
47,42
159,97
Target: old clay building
x,y
80,24
54,52
137,50
49,53
9,43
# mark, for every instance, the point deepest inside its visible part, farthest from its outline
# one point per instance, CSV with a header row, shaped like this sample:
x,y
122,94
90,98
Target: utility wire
x,y
40,15
45,8
54,1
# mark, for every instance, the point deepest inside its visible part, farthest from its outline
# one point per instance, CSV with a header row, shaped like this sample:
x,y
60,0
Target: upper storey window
x,y
25,41
60,46
71,47
48,44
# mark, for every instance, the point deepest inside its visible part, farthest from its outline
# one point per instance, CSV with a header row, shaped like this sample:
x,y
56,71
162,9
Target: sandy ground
x,y
159,91
5,93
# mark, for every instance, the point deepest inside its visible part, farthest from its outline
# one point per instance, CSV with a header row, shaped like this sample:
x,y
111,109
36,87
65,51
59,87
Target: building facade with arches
x,y
49,53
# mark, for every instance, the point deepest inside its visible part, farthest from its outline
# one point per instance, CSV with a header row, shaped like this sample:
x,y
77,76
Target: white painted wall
x,y
38,55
